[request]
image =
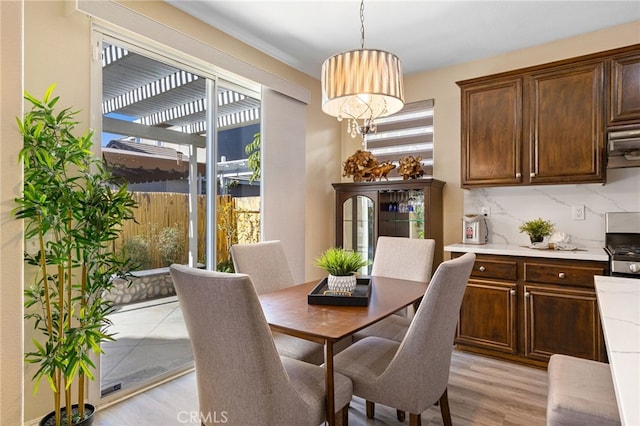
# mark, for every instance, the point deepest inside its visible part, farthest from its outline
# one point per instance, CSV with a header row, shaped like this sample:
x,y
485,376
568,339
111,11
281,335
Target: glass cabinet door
x,y
358,227
402,213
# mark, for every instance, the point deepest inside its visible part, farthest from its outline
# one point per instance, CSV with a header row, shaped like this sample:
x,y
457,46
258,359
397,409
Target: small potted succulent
x,y
537,229
342,265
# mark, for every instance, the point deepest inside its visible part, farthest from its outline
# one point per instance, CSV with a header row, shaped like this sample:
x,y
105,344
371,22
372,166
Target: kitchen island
x,y
619,302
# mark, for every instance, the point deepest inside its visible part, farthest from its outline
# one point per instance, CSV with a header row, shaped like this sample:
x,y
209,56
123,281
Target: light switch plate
x,y
577,212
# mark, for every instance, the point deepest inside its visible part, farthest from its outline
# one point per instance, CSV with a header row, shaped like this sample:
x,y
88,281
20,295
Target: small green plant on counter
x,y
340,262
537,229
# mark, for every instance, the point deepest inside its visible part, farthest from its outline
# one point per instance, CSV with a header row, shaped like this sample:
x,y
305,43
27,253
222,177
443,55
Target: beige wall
x,y
11,338
57,50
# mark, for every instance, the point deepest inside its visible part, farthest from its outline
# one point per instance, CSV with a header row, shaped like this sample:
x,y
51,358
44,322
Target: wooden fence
x,y
159,235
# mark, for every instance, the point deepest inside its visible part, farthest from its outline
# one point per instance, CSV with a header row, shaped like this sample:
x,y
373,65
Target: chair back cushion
x,y
265,262
404,258
424,356
239,373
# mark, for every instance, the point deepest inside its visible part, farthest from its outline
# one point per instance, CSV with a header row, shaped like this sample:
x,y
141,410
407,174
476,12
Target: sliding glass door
x,y
188,146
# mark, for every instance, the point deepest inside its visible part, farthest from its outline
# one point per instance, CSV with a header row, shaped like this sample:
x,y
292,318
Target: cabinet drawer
x,y
503,270
560,274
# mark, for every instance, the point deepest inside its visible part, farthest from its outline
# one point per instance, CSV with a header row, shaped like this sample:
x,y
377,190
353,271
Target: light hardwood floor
x,y
482,391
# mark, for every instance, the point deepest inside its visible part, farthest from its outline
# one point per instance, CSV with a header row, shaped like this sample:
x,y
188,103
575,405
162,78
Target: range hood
x,y
623,148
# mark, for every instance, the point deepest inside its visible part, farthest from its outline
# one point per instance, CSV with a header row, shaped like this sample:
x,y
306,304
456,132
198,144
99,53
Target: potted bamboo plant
x,y
72,215
342,265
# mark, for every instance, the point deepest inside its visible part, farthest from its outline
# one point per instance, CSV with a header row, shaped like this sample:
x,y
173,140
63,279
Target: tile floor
x,y
151,339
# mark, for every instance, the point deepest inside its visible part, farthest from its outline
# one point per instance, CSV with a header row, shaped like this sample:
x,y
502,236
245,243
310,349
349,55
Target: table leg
x,y
328,371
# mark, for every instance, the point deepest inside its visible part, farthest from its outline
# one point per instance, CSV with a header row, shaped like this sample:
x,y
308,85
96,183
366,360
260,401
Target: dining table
x,y
288,311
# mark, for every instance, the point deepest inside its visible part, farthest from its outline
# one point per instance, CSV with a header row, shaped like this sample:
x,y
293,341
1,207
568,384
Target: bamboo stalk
x,y
83,304
43,266
56,394
67,402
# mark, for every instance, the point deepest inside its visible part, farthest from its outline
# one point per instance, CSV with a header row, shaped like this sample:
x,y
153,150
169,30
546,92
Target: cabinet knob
x,y
482,269
532,175
562,275
527,294
512,292
518,175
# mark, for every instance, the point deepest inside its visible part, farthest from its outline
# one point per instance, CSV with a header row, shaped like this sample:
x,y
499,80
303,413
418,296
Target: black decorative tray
x,y
321,295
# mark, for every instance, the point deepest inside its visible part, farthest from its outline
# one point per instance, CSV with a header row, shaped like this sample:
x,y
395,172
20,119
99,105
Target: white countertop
x,y
513,250
619,303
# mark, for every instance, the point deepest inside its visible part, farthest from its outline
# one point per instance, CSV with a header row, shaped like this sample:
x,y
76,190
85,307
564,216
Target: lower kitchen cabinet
x,y
488,316
561,320
527,309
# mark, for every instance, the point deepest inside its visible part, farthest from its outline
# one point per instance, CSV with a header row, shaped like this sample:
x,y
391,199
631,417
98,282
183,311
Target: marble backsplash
x,y
510,206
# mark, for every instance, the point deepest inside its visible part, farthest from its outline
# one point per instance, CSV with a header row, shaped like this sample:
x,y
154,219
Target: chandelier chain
x,y
362,24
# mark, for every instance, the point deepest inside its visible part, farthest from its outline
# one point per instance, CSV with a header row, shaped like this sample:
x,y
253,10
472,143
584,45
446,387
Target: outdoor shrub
x,y
137,249
170,245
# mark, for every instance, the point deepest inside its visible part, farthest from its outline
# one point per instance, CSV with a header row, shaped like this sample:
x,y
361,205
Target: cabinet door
x,y
566,134
624,106
488,316
492,133
561,320
356,223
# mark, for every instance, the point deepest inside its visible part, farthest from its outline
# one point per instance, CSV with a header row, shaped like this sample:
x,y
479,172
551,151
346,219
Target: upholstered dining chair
x,y
266,263
412,375
239,374
402,258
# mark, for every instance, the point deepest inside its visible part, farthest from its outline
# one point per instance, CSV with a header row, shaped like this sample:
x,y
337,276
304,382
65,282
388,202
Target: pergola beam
x,y
127,128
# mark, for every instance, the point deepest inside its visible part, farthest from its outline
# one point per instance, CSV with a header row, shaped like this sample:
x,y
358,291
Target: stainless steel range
x,y
622,241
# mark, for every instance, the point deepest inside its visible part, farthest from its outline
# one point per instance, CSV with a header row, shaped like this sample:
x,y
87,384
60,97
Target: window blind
x,y
407,132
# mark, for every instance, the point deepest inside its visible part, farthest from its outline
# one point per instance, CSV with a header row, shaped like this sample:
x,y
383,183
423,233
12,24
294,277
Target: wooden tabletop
x,y
288,310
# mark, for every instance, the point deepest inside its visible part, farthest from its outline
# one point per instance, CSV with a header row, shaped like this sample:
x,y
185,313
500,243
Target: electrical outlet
x,y
485,211
577,212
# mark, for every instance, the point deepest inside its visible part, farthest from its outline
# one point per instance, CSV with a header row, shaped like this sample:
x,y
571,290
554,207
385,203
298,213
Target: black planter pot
x,y
89,410
536,239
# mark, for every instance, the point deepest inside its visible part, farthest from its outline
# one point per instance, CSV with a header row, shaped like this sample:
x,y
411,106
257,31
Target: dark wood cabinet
x,y
561,320
526,309
492,133
546,124
488,316
401,208
565,129
624,87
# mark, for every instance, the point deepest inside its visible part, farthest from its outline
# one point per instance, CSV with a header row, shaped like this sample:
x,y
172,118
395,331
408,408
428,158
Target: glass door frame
x,y
213,83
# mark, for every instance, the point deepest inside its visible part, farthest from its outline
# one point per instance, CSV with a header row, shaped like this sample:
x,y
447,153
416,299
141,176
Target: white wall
x,y
510,206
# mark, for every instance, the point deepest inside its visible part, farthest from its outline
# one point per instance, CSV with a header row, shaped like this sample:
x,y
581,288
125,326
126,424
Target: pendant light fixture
x,y
362,84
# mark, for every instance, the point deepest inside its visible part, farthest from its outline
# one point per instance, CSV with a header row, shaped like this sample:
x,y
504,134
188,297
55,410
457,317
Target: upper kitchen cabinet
x,y
565,136
492,132
546,124
624,86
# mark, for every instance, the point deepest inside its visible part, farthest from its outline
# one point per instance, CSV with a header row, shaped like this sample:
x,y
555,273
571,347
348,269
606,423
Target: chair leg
x,y
401,415
444,409
415,419
371,409
343,416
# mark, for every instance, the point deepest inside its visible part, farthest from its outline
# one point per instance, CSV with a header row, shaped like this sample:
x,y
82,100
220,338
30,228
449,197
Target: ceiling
x,y
425,35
